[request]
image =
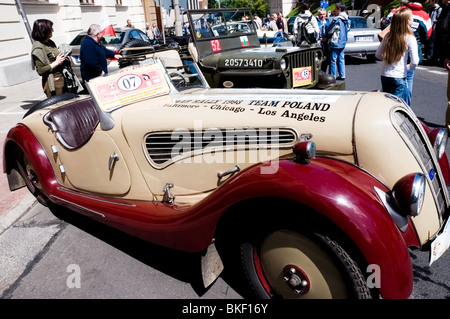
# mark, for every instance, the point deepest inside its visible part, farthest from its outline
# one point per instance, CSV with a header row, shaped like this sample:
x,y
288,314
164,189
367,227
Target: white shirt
x,y
400,69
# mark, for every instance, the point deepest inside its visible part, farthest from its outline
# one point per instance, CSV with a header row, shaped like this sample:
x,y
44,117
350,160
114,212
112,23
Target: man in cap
x,y
369,21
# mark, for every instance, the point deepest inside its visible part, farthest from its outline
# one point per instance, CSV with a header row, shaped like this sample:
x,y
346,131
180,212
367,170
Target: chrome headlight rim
x,y
409,193
439,140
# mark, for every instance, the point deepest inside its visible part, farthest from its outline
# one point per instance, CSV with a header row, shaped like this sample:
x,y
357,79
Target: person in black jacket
x,y
93,54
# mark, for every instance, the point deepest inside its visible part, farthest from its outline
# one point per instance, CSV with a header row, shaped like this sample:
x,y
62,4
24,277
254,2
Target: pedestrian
x,y
148,31
258,20
434,11
323,24
397,48
369,22
155,30
129,24
47,60
386,21
421,27
442,31
447,67
273,23
279,21
93,54
337,39
303,20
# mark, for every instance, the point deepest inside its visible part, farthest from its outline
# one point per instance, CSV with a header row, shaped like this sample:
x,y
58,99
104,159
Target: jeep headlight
x,y
283,64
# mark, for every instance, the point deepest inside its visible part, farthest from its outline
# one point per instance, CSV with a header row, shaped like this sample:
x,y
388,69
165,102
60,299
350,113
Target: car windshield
x,y
358,23
217,24
107,39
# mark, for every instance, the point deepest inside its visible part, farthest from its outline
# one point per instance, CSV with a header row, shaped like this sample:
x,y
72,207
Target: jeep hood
x,y
260,53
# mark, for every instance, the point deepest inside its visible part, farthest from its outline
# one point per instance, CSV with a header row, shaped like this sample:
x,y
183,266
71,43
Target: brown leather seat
x,y
73,123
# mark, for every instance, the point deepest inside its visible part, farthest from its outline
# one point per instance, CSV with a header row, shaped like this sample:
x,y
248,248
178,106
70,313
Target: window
x,y
119,2
86,1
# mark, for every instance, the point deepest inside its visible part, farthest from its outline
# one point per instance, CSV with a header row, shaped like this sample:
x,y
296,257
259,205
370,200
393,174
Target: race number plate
x,y
441,243
130,85
302,76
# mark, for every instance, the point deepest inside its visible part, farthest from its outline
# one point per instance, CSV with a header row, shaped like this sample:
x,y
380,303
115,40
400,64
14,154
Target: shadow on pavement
x,y
180,265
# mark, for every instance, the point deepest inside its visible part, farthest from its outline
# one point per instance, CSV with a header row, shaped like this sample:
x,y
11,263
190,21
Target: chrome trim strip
x,y
87,210
87,196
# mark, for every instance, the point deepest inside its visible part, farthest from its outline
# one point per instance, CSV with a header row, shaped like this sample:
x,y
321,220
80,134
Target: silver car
x,y
124,38
362,40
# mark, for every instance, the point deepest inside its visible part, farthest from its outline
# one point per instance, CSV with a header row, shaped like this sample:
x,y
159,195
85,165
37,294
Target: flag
x,y
106,26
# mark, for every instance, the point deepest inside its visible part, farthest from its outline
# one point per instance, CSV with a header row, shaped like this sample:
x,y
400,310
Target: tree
x,y
257,6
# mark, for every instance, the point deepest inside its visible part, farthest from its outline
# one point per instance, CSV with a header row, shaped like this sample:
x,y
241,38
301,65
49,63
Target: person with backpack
x,y
337,39
306,28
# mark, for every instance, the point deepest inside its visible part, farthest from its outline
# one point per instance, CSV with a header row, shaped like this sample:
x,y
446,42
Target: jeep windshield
x,y
213,24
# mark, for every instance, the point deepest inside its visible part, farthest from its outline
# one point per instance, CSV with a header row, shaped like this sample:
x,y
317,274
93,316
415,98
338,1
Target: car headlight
x,y
438,138
409,193
283,64
304,151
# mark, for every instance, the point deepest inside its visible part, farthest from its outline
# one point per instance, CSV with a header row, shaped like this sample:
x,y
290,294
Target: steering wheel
x,y
178,79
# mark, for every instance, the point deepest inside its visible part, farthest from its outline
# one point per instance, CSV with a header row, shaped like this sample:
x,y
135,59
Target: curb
x,y
14,214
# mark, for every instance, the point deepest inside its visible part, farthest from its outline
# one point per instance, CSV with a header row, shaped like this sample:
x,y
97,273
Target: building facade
x,y
70,17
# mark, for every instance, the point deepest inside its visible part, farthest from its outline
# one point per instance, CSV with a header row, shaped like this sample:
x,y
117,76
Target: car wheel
x,y
288,264
28,173
50,101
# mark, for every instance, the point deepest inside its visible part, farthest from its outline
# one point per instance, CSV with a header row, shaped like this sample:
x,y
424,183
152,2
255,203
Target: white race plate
x,y
440,244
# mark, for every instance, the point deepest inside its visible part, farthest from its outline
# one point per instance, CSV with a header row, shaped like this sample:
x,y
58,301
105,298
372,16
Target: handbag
x,y
71,81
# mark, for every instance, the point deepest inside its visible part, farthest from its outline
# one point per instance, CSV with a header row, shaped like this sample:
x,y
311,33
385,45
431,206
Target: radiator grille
x,y
304,59
163,147
416,140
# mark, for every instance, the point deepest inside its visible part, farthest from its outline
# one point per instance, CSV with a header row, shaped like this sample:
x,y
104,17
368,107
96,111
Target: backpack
x,y
306,32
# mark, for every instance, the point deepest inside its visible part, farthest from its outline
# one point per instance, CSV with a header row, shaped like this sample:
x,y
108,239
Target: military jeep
x,y
225,44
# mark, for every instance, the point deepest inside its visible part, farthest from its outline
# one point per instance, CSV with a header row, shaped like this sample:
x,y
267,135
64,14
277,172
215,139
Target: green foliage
x,y
261,7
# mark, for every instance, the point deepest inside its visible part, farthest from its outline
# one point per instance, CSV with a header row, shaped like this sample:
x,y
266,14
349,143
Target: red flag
x,y
107,27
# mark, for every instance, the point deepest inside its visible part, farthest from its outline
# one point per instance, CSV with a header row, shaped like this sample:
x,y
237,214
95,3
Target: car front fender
x,y
345,195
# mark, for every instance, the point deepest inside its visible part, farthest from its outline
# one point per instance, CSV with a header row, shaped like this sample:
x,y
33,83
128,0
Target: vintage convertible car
x,y
314,194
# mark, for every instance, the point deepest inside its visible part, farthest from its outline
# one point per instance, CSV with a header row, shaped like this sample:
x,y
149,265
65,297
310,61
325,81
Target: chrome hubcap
x,y
296,279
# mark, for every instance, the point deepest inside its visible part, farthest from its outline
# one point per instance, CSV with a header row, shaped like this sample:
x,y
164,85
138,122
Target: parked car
x,y
312,194
125,37
361,39
274,38
227,48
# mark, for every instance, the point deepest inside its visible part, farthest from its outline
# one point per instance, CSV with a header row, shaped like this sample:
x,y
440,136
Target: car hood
x,y
329,116
238,56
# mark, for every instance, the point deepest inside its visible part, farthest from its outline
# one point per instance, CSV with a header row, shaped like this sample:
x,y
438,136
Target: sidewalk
x,y
14,102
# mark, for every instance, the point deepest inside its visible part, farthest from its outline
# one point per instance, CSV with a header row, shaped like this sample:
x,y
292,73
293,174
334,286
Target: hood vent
x,y
166,147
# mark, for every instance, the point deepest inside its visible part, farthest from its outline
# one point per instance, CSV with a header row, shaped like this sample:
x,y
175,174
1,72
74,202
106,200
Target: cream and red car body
x,y
126,173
